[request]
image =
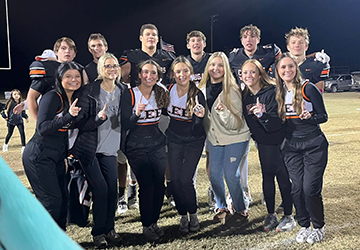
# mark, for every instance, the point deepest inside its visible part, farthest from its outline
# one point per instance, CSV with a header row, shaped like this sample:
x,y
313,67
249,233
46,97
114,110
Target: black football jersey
x,y
199,67
313,70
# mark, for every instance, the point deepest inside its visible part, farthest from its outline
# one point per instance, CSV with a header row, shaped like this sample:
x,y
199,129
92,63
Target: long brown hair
x,y
11,100
228,83
193,90
162,96
280,90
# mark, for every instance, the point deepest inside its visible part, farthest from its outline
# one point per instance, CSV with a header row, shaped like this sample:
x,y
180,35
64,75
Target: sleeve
x,y
270,119
197,128
3,114
128,118
37,76
124,58
226,118
319,114
277,51
325,71
47,121
86,121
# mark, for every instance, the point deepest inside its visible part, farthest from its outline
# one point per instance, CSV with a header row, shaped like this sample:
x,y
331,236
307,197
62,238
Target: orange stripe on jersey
x,y
296,116
170,87
147,123
303,91
325,72
182,120
62,130
277,55
124,59
62,103
37,72
132,97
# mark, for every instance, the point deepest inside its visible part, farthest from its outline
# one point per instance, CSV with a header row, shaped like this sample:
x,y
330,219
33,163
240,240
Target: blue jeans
x,y
224,161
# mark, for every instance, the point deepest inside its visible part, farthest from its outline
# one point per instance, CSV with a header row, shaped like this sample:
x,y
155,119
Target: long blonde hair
x,y
280,90
228,83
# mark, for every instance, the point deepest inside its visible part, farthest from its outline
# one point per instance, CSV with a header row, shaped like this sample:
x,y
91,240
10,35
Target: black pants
x,y
272,165
147,158
306,162
183,160
102,178
11,130
45,169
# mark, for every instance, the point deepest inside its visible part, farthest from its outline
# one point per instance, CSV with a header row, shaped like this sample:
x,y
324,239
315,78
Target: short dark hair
x,y
149,26
97,36
195,33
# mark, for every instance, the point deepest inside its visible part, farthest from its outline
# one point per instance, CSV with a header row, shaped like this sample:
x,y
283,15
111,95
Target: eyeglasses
x,y
109,66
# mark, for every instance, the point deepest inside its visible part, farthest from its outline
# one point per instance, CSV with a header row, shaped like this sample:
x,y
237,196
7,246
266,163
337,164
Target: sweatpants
x,y
306,162
45,169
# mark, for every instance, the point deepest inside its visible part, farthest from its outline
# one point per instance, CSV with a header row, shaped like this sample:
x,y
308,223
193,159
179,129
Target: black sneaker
x,y
113,238
271,222
100,241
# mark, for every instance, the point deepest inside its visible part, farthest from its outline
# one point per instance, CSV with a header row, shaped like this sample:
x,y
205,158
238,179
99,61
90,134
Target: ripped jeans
x,y
224,162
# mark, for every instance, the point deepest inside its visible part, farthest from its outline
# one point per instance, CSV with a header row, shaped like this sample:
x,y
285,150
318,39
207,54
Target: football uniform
x,y
42,75
265,54
199,67
91,71
313,70
136,56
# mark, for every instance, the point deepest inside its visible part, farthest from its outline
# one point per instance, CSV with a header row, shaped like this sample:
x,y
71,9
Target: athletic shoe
x,y
5,147
194,223
132,199
184,224
316,235
113,238
303,234
221,215
287,223
158,230
150,234
248,196
211,200
100,241
237,219
270,222
122,206
229,203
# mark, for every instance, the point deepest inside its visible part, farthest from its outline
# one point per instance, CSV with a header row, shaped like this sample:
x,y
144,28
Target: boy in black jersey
x,y
314,67
250,39
97,46
149,37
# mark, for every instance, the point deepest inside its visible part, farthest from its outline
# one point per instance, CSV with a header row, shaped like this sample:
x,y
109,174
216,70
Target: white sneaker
x,y
122,206
194,223
316,235
22,149
303,234
184,224
5,147
287,223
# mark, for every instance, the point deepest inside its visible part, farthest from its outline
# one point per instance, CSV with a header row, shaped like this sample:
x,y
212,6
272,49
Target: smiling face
x,y
250,41
251,76
112,69
216,70
148,75
287,69
182,74
149,38
16,96
65,53
196,45
97,48
297,46
71,80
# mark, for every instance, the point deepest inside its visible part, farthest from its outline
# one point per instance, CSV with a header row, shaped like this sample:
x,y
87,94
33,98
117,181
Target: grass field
x,y
340,193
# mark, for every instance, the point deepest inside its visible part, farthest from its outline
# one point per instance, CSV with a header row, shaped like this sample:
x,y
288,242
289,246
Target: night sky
x,y
36,25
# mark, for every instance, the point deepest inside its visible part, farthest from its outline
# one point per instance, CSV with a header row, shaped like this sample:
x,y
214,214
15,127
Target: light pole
x,y
212,21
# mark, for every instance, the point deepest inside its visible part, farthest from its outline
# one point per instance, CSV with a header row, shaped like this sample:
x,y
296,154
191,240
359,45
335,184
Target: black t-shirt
x,y
164,59
212,92
199,67
91,71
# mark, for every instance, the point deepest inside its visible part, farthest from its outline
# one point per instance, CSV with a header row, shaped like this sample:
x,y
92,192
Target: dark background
x,y
36,25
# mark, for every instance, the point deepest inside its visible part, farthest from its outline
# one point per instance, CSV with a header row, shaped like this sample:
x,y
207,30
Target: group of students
x,y
209,98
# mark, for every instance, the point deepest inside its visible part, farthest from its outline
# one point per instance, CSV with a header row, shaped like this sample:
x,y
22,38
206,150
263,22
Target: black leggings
x,y
272,165
11,130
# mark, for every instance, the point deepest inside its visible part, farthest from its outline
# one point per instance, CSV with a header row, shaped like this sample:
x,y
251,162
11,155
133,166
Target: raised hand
x,y
322,57
304,113
73,110
257,109
102,113
140,107
220,106
18,108
199,109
